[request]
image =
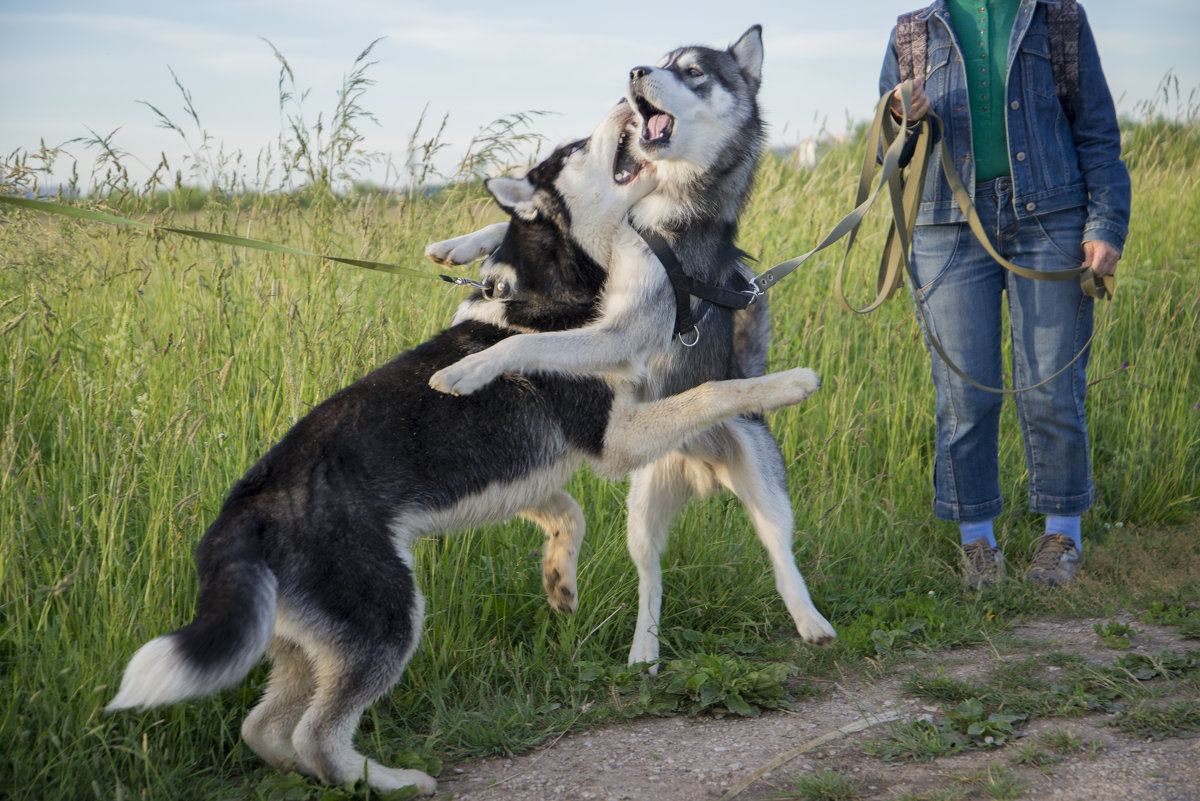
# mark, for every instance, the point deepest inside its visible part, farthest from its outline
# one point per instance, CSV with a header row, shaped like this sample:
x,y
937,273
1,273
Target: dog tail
x,y
235,619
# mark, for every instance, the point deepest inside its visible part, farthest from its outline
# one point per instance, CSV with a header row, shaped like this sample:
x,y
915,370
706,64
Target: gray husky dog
x,y
697,122
310,559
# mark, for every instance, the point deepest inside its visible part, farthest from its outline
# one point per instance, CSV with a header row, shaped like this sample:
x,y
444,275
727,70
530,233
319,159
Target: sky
x,y
91,69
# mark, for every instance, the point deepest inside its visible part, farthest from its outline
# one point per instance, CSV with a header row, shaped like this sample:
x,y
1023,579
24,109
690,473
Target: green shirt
x,y
984,28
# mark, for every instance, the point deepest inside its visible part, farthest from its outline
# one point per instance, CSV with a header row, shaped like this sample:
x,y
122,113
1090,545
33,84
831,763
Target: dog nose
x,y
637,73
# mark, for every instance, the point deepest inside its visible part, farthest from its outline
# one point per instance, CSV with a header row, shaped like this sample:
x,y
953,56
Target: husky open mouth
x,y
626,165
657,125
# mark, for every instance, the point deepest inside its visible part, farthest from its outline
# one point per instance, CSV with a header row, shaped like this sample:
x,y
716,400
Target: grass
x,y
143,375
824,785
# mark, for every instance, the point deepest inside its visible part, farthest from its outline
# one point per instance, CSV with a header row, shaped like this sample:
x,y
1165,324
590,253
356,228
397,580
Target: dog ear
x,y
748,51
515,195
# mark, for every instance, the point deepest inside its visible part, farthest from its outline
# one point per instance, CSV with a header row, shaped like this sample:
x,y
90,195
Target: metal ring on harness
x,y
695,330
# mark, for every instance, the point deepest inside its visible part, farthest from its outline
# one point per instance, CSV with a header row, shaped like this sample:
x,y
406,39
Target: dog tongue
x,y
656,126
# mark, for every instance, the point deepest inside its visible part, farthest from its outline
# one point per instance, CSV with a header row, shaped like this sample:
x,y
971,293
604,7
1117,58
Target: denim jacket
x,y
1057,162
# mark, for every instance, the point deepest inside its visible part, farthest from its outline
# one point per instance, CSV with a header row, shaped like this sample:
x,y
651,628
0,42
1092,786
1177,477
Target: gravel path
x,y
697,759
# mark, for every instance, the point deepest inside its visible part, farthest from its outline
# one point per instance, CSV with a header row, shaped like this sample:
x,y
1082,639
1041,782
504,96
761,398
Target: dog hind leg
x,y
752,467
562,520
269,726
656,493
348,683
356,655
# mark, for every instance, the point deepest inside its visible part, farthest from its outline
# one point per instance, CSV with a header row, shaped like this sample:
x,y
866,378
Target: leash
x,y
224,239
905,197
891,275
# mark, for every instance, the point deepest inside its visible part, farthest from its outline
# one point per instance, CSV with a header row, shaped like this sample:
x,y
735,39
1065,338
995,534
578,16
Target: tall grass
x,y
143,375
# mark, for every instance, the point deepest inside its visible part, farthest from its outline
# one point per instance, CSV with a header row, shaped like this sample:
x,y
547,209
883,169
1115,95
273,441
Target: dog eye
x,y
575,147
695,72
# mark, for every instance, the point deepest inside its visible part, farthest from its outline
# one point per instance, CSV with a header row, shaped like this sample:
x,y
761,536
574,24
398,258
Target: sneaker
x,y
1055,561
983,565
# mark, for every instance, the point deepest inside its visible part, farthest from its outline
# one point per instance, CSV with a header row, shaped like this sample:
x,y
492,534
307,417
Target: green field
x,y
144,374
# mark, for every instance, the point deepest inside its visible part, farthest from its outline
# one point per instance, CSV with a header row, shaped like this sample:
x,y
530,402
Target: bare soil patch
x,y
697,759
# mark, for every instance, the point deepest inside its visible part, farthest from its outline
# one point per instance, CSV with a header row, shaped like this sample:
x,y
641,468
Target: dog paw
x,y
816,630
644,649
806,380
389,779
464,376
467,248
561,590
788,387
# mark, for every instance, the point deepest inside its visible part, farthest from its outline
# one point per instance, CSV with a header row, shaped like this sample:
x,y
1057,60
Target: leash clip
x,y
461,281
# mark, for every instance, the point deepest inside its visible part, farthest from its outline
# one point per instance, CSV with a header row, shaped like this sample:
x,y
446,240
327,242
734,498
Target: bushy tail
x,y
235,618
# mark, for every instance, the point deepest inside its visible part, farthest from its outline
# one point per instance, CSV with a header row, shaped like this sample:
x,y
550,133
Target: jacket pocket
x,y
1038,72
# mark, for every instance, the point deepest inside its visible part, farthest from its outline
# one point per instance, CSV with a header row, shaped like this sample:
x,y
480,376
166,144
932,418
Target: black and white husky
x,y
310,558
697,122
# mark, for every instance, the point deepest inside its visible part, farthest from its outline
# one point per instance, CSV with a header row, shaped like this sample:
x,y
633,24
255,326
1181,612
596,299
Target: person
x,y
1049,185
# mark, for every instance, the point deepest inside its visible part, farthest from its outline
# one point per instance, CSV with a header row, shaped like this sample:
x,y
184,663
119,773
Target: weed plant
x,y
142,375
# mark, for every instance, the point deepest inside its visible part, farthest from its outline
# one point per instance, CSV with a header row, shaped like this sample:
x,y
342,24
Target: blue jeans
x,y
959,287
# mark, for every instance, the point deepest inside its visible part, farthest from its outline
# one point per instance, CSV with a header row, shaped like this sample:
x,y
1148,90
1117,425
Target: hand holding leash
x,y
1101,257
920,102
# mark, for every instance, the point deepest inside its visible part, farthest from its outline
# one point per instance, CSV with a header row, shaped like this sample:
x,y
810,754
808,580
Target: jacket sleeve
x,y
1097,136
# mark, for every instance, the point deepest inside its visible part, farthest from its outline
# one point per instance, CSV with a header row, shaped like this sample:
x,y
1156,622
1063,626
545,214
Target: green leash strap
x,y
1101,291
224,239
864,199
905,197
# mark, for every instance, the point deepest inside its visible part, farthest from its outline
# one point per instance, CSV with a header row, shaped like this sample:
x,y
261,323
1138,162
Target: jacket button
x,y
1016,104
1030,206
1021,156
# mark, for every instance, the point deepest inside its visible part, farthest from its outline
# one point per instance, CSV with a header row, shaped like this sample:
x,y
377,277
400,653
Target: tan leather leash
x,y
904,194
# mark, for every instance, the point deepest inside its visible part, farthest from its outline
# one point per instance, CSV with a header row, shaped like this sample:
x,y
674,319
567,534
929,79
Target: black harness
x,y
739,295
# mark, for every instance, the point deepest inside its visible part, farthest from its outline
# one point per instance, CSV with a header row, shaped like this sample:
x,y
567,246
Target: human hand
x,y
920,101
1101,257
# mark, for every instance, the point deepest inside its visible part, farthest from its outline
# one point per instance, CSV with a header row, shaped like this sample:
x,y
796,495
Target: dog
x,y
697,122
310,558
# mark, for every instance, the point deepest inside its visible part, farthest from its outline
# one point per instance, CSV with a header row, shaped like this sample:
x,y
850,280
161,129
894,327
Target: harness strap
x,y
910,45
686,287
1062,20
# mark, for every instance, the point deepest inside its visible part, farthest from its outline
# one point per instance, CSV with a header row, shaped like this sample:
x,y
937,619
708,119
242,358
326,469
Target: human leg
x,y
1051,324
958,288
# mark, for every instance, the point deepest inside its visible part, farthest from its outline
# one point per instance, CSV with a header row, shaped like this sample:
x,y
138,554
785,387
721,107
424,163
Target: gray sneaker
x,y
983,565
1055,561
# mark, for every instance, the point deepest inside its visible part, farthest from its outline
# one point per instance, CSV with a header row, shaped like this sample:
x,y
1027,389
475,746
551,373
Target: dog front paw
x,y
464,376
806,380
467,248
816,630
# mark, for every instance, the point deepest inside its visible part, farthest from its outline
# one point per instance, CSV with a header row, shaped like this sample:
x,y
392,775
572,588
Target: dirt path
x,y
697,759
